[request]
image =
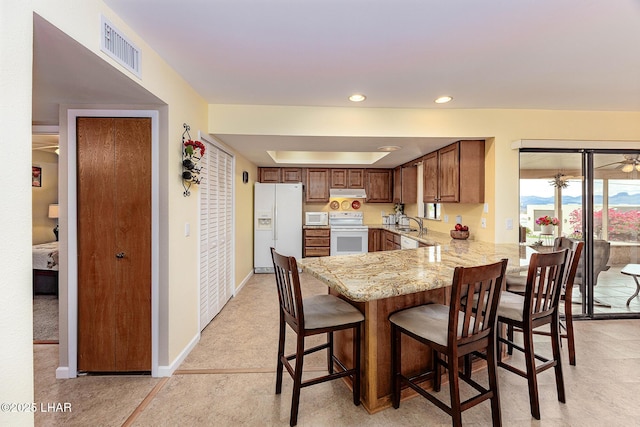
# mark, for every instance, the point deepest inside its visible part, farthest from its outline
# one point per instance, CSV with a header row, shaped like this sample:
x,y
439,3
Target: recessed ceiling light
x,y
443,100
357,97
389,148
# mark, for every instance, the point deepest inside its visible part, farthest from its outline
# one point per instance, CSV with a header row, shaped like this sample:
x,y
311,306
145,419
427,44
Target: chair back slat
x,y
544,283
573,261
480,285
289,293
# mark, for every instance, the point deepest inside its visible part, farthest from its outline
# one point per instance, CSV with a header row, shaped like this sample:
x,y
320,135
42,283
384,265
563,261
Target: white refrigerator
x,y
277,223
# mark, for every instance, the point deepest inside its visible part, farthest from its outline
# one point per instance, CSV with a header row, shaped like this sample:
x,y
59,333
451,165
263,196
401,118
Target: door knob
x,y
120,255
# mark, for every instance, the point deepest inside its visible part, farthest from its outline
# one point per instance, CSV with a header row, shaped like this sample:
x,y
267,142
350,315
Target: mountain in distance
x,y
620,199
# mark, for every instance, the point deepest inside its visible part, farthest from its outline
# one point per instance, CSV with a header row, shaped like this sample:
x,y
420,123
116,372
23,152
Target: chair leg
x,y
279,367
396,367
570,339
357,333
297,381
437,378
330,352
492,370
532,379
557,356
454,391
510,339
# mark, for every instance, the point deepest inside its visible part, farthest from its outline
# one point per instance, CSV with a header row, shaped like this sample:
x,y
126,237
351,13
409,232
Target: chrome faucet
x,y
420,224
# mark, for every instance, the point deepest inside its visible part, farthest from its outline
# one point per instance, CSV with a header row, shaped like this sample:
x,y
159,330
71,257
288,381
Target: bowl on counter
x,y
459,235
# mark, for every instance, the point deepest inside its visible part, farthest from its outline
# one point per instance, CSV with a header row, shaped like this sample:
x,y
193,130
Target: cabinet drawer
x,y
320,232
317,241
316,252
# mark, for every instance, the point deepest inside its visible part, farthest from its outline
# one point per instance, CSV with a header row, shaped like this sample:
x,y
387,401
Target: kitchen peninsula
x,y
380,283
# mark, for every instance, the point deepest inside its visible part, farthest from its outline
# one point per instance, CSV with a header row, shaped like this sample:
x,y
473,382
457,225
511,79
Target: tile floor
x,y
229,380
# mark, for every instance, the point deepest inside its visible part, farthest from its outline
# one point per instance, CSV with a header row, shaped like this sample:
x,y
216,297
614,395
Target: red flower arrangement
x,y
191,146
547,220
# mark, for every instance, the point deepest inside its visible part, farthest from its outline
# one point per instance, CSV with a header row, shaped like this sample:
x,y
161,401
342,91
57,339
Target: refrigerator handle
x,y
275,223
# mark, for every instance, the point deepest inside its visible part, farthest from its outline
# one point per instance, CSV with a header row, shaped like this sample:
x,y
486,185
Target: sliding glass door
x,y
592,196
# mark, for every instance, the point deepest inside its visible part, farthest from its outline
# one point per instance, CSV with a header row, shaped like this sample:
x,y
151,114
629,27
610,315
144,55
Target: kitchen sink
x,y
406,229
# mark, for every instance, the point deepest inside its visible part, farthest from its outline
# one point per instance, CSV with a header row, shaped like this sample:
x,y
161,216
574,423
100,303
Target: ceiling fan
x,y
48,148
630,162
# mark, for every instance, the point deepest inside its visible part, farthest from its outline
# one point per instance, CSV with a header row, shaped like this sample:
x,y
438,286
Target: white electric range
x,y
349,235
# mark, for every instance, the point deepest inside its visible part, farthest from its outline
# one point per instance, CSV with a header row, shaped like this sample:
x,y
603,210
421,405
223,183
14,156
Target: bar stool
x,y
538,306
454,331
311,316
517,285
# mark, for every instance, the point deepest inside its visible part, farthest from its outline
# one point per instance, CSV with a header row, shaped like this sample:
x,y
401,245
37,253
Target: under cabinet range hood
x,y
348,193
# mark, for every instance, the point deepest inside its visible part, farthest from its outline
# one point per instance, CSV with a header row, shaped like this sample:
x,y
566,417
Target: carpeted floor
x,y
45,318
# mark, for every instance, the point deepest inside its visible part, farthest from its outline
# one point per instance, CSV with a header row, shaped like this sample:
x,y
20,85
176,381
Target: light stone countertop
x,y
377,275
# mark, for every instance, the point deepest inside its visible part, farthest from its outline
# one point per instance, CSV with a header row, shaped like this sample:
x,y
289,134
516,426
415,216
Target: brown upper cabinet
x,y
270,175
379,185
405,184
347,178
276,175
455,173
291,175
317,185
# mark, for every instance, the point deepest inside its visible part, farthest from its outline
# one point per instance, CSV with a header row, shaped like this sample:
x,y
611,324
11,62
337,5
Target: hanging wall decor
x,y
192,153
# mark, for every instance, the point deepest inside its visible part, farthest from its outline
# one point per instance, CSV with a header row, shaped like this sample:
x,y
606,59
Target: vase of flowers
x,y
547,224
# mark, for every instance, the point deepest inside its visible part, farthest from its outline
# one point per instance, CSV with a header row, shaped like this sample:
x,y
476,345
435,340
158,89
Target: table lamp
x,y
53,213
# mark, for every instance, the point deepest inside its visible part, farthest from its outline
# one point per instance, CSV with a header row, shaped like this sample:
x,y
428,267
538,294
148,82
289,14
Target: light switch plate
x,y
187,229
509,223
483,223
446,218
486,208
458,219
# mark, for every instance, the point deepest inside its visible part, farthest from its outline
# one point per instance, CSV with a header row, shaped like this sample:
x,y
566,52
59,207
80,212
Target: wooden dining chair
x,y
313,315
517,284
452,332
537,307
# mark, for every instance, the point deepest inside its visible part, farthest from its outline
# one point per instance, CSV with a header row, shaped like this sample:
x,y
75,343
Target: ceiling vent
x,y
119,47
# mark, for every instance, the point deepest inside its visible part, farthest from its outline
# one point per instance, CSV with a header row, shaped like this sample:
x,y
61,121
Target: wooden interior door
x,y
114,244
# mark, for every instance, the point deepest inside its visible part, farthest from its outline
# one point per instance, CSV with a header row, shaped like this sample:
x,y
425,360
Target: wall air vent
x,y
119,47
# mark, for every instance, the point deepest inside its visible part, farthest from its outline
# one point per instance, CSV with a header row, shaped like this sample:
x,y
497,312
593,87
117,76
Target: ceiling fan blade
x,y
609,164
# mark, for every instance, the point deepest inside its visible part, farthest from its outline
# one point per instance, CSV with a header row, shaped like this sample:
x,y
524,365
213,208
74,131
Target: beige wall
x,y
499,127
16,323
42,197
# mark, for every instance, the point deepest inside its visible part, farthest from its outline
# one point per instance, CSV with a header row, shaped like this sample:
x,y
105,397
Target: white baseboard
x,y
62,373
244,282
167,371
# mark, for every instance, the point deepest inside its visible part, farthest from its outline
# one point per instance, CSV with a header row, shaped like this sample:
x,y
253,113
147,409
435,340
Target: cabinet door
x,y
430,177
397,185
355,178
339,178
291,175
317,190
374,239
449,173
409,184
271,175
379,185
471,172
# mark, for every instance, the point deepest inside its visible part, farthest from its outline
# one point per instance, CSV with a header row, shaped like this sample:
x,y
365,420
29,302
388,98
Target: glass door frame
x,y
588,226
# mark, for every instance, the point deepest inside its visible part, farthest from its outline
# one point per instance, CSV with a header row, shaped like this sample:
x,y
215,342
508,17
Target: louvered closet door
x,y
216,285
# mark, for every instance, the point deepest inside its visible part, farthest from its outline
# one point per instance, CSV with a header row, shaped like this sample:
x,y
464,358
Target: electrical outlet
x,y
446,218
509,223
486,208
458,219
187,229
483,223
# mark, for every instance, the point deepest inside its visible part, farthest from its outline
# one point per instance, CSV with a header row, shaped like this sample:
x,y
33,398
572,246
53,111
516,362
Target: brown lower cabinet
x,y
391,241
317,242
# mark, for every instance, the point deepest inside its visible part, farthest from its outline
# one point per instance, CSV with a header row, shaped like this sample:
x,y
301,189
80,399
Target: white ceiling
x,y
533,54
